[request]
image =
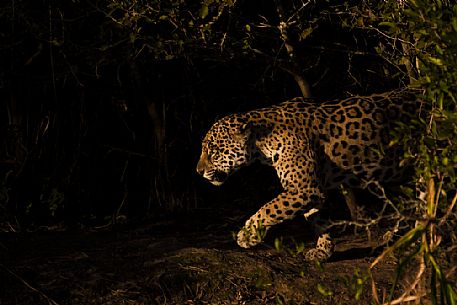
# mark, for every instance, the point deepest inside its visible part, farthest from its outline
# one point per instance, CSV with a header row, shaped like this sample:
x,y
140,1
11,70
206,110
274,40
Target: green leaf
x,y
411,13
439,50
387,23
278,244
454,23
452,295
324,290
435,61
359,289
305,33
409,237
204,11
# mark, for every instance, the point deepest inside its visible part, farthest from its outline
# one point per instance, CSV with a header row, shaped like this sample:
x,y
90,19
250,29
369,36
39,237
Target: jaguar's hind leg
x,y
323,250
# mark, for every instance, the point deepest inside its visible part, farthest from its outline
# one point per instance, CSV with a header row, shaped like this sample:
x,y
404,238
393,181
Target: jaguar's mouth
x,y
217,177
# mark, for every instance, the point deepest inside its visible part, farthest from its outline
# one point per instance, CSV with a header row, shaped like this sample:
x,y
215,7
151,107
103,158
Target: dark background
x,y
102,112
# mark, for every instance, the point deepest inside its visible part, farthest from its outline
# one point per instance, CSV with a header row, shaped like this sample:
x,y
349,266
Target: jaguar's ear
x,y
260,130
246,128
244,131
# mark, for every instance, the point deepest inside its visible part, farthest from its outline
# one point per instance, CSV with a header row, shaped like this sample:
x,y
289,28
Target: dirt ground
x,y
192,259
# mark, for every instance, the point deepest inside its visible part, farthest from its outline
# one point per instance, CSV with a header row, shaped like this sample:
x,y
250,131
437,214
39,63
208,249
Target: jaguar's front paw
x,y
323,251
250,235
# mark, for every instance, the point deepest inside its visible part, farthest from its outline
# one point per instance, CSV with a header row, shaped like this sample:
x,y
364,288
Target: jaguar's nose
x,y
201,165
200,168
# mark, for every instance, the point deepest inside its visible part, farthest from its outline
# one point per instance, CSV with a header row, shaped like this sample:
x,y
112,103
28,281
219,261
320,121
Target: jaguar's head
x,y
225,148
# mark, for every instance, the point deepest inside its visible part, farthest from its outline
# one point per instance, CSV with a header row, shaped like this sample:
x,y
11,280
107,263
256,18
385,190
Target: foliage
x,y
420,39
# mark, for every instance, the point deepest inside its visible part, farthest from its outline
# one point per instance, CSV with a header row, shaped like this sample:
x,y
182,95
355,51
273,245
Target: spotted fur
x,y
313,147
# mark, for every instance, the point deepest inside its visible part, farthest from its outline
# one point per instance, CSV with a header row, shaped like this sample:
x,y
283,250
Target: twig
x,y
404,297
50,301
448,210
283,28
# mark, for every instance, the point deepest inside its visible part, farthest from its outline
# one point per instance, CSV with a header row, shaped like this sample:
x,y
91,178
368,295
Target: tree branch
x,y
283,29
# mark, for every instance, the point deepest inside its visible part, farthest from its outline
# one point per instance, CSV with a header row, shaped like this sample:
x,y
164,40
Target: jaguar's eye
x,y
211,156
214,154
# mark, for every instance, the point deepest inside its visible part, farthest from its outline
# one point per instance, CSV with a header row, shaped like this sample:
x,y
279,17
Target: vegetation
x,y
423,37
105,102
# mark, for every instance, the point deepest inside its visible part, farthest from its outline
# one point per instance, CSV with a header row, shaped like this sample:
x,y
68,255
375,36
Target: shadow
x,y
355,253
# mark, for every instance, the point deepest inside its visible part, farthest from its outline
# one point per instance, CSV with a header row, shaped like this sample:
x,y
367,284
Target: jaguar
x,y
313,147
